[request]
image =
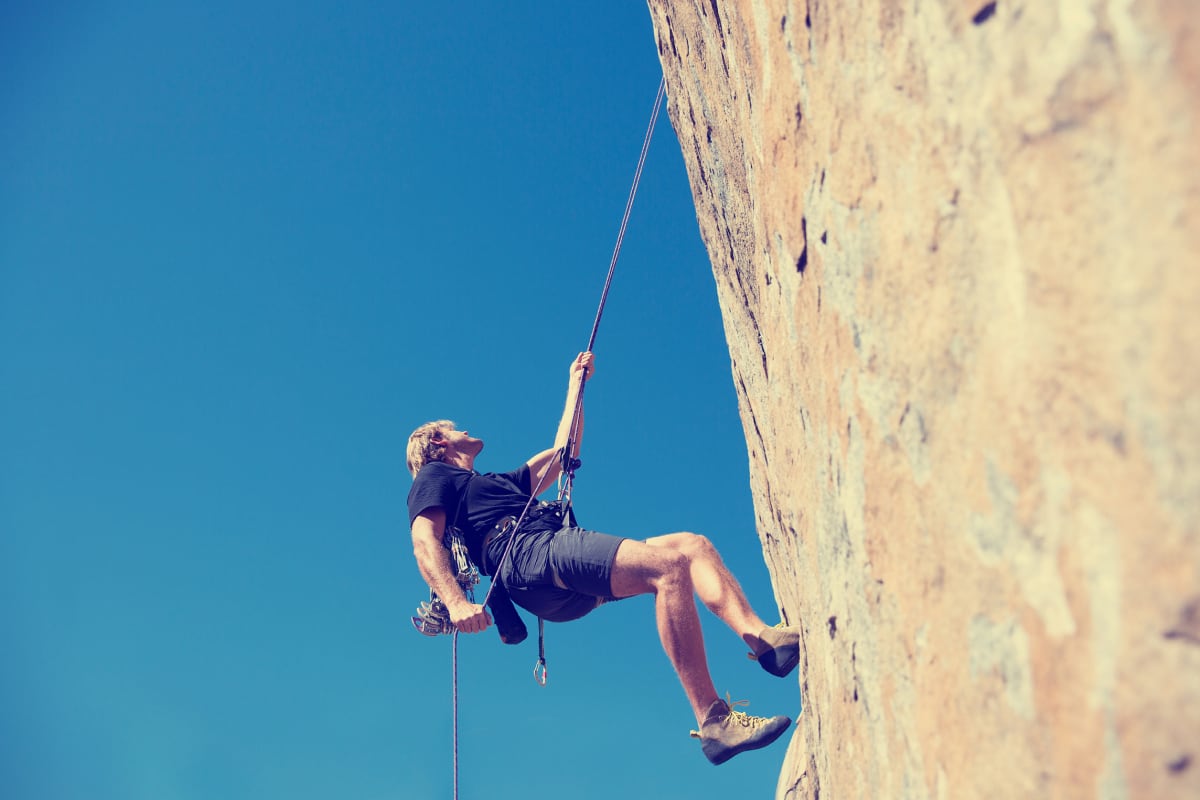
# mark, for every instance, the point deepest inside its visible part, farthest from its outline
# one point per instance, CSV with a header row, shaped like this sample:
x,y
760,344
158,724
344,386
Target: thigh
x,y
639,565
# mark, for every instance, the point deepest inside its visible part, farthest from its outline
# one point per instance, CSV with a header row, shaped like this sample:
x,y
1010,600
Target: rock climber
x,y
560,572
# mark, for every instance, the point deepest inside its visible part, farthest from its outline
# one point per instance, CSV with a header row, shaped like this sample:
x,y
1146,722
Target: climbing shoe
x,y
777,649
726,732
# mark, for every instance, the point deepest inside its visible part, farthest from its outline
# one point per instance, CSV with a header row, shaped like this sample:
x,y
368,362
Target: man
x,y
561,572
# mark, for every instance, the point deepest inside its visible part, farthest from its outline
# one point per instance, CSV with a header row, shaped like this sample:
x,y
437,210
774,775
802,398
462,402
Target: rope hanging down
x,y
568,459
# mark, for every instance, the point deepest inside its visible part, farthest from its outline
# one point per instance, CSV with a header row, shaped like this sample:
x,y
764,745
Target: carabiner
x,y
539,672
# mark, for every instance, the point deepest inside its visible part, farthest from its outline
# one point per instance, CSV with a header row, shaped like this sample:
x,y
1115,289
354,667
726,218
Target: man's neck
x,y
460,460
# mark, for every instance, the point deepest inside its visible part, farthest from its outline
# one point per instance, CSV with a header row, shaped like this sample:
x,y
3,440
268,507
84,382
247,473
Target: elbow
x,y
420,546
423,543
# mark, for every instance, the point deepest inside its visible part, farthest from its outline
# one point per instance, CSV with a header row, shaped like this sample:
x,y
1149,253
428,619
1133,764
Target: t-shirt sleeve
x,y
520,478
434,487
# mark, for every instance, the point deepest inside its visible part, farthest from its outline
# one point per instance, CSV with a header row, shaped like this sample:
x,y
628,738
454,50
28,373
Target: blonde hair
x,y
421,449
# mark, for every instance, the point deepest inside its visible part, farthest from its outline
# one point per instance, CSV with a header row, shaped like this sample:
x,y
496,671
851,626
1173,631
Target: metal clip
x,y
539,672
433,617
539,669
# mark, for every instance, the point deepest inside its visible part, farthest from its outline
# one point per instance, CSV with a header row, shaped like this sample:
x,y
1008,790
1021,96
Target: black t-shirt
x,y
489,498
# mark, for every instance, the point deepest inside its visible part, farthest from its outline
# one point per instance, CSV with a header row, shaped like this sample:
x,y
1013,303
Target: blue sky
x,y
244,249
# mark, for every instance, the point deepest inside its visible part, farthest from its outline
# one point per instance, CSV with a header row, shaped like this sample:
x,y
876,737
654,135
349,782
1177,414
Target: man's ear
x,y
439,439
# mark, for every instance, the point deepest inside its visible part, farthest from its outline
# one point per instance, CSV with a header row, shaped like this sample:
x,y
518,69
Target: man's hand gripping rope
x,y
434,617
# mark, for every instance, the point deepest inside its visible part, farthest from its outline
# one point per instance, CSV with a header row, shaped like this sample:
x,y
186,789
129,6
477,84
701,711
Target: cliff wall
x,y
956,245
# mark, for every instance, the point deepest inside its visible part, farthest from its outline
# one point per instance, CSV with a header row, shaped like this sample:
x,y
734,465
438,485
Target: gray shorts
x,y
559,575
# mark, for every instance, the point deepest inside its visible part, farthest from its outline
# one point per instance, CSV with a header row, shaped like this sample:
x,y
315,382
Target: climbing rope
x,y
637,179
454,671
539,676
570,463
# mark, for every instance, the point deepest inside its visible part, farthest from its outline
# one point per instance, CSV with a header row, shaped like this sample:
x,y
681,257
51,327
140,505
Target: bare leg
x,y
718,589
640,568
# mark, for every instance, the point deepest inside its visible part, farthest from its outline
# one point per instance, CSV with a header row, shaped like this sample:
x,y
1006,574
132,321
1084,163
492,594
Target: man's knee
x,y
690,545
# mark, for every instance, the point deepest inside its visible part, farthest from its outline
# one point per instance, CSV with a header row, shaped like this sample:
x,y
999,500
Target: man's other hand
x,y
470,617
584,366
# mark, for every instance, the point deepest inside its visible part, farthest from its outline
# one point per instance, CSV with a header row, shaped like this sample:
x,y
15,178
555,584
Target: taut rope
x,y
569,462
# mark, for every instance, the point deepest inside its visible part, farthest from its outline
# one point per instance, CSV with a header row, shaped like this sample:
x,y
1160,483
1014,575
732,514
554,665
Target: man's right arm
x,y
545,467
433,561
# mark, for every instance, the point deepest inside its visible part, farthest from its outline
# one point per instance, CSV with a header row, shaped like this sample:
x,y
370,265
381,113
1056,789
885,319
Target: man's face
x,y
460,441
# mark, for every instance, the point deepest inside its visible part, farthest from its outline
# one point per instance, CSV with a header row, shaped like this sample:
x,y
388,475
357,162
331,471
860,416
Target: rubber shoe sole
x,y
779,664
780,652
719,752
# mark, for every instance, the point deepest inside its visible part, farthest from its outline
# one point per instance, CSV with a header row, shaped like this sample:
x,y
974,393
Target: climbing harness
x,y
432,617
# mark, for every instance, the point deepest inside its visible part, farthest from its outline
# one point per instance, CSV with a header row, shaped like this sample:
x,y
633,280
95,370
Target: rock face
x,y
956,251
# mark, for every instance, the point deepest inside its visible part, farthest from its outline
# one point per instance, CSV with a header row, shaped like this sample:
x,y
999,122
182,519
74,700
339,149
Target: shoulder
x,y
436,485
519,478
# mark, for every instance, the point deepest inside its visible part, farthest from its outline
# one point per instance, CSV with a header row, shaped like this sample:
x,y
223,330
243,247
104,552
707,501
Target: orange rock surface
x,y
956,248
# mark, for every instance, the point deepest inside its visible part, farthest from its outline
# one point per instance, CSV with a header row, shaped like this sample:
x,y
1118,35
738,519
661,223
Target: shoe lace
x,y
741,717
